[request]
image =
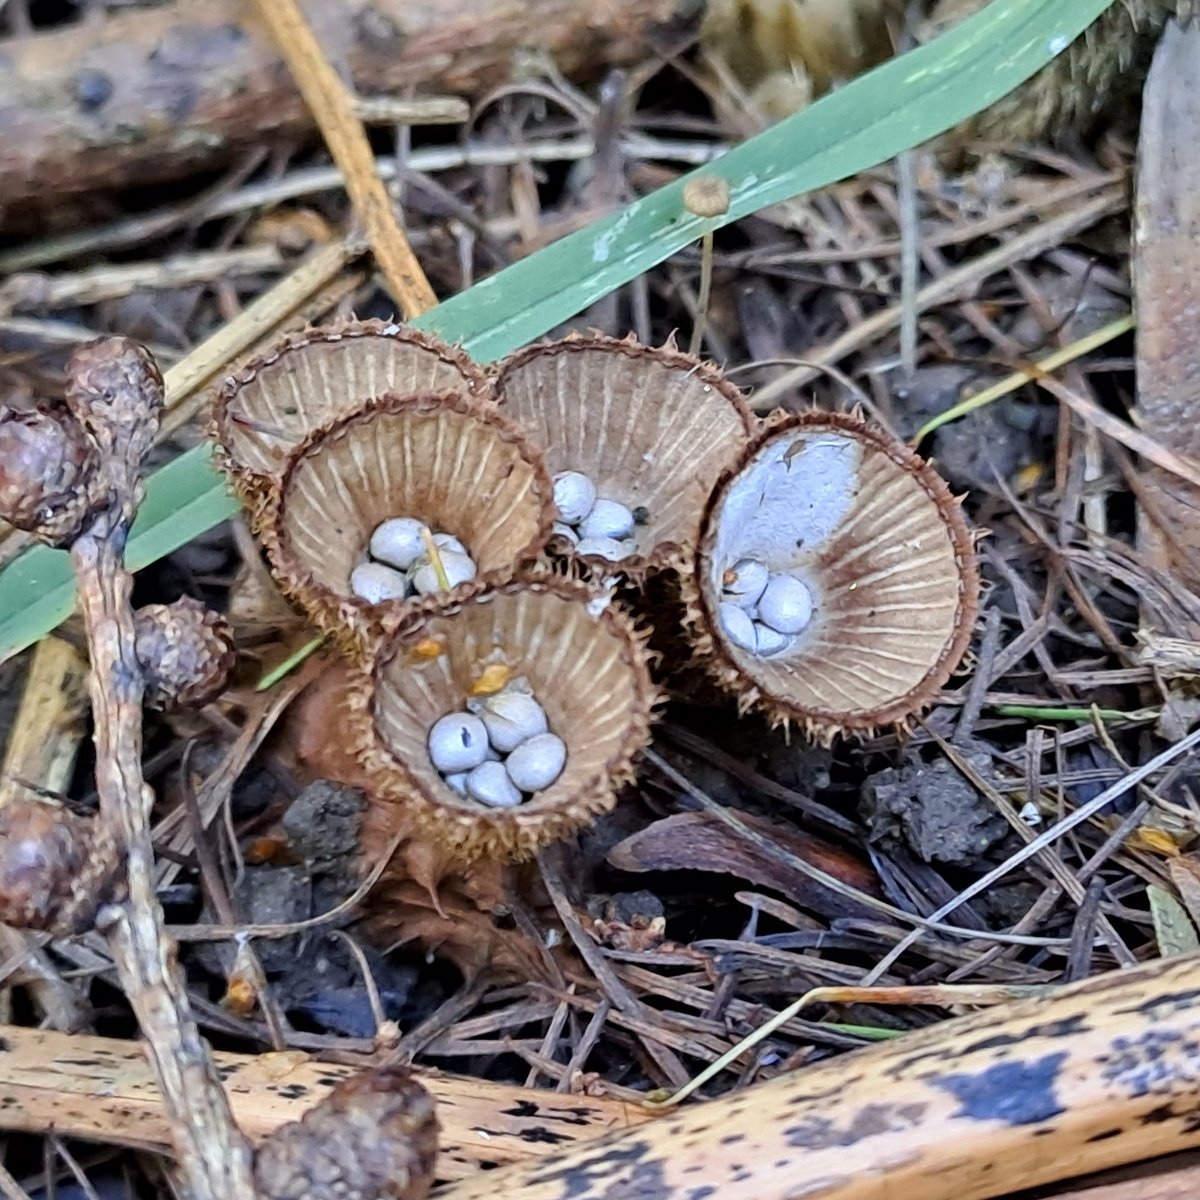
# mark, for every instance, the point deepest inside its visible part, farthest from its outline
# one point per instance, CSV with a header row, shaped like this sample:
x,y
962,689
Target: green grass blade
x,y
896,106
183,500
867,122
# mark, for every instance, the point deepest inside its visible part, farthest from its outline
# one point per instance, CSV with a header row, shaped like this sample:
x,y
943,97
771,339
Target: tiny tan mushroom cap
x,y
267,409
448,460
584,662
652,428
881,544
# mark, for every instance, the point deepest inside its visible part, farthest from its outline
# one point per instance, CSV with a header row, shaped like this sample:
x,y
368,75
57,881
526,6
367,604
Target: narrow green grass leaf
x,y
37,592
1051,712
898,105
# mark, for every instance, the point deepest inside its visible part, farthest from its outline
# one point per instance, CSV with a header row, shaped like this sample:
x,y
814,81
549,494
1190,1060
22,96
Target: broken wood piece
x,y
1096,1075
1176,1177
1166,276
50,723
102,1089
149,94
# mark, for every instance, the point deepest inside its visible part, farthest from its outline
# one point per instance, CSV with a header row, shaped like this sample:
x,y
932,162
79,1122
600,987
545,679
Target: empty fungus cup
x,y
449,461
577,652
835,583
651,429
267,409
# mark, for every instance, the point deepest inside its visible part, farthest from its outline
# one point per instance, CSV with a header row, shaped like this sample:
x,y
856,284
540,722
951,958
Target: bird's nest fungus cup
x,y
835,582
501,717
266,410
635,438
348,533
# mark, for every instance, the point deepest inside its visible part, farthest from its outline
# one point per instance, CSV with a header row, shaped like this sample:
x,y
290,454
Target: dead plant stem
x,y
213,1157
333,107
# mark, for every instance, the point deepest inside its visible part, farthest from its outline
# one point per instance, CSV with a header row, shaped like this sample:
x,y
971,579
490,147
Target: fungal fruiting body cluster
x,y
761,610
401,563
418,513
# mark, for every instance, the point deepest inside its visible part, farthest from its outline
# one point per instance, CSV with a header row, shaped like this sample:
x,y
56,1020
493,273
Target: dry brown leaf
x,y
700,842
312,736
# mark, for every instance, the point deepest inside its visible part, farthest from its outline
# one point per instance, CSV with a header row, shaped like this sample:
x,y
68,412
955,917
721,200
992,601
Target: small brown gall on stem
x,y
115,391
47,465
706,196
56,868
186,653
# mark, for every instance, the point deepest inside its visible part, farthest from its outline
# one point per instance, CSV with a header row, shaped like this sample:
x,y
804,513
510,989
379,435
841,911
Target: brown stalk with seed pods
x,y
74,479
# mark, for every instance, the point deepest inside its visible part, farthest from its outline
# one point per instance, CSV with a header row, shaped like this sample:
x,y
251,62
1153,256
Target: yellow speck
x,y
240,997
1158,841
429,648
494,677
1027,478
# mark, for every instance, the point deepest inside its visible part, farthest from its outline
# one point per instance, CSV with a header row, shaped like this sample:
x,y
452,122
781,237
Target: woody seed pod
x,y
186,653
115,391
56,868
374,1137
47,464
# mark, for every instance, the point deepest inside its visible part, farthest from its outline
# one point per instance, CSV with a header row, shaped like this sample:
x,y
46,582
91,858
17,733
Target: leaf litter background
x,y
634,957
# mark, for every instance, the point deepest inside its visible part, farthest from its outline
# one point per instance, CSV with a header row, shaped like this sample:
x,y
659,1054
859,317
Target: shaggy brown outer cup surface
x,y
586,666
652,428
266,410
450,461
882,545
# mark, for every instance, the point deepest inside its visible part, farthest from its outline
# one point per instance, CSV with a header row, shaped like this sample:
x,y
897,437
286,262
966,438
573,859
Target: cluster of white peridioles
x,y
398,563
500,750
592,523
762,610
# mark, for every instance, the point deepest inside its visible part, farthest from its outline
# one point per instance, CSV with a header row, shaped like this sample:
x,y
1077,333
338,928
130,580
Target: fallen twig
x,y
1099,1074
102,1090
115,392
151,94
